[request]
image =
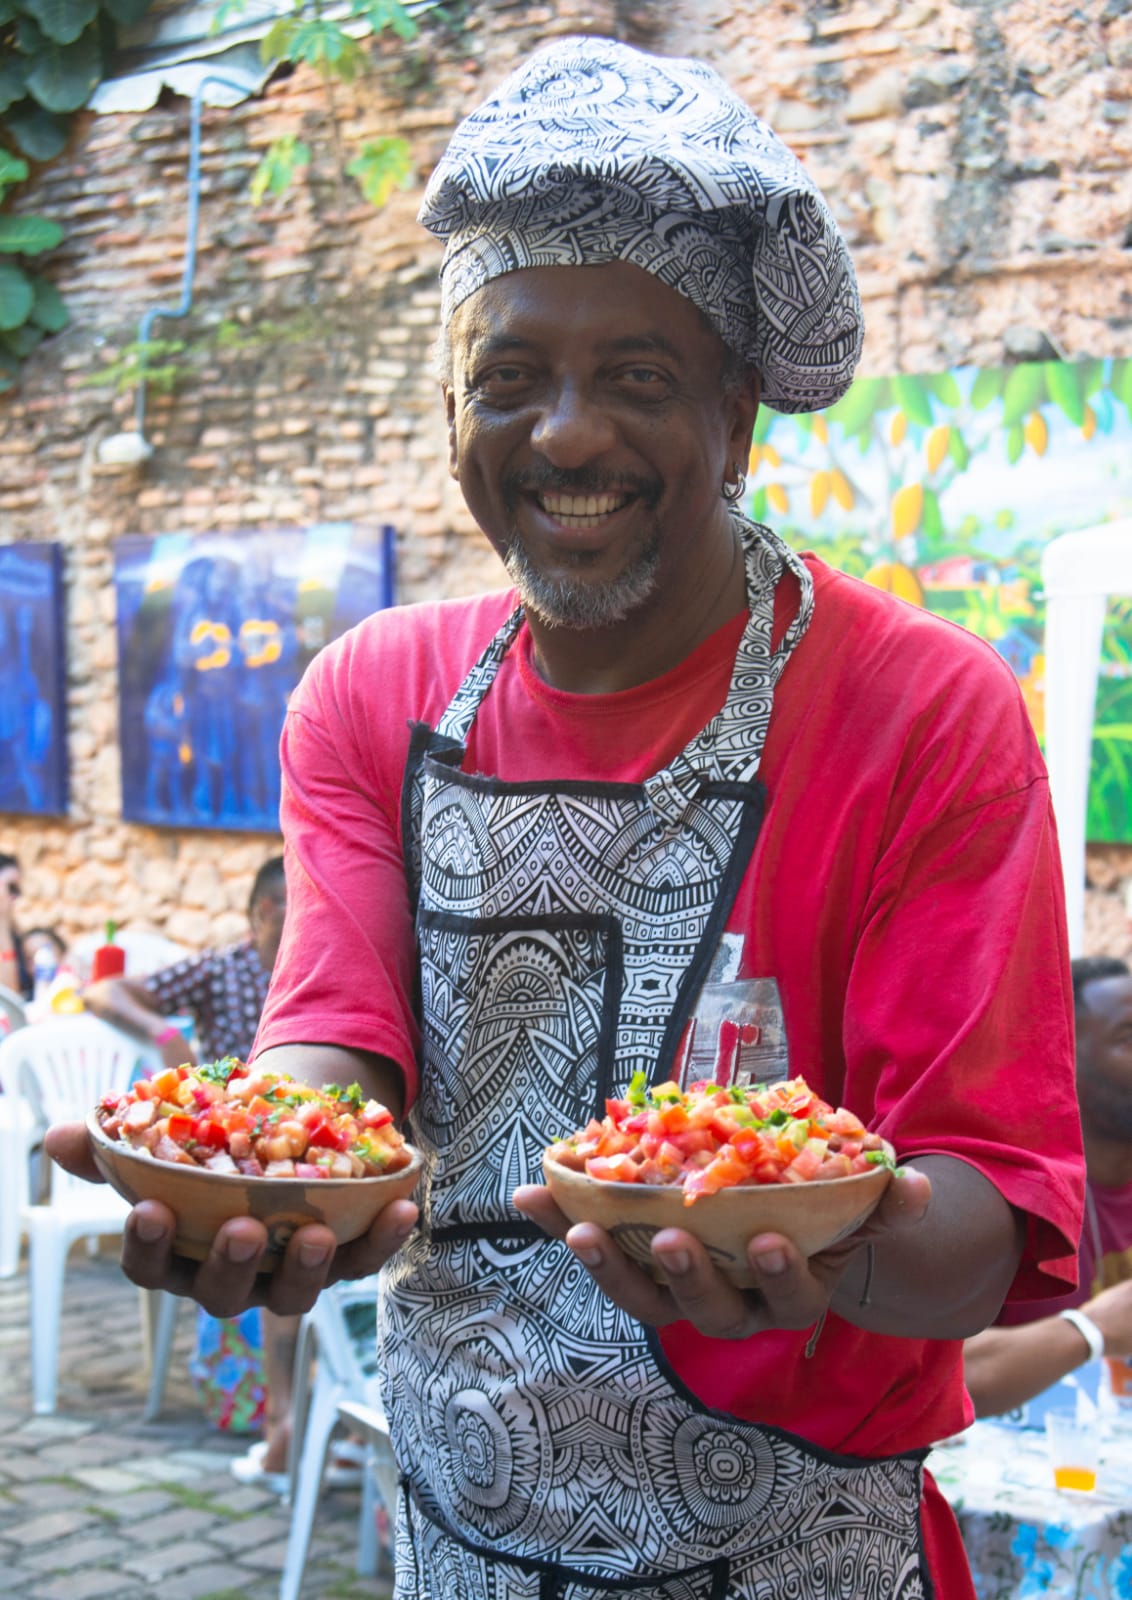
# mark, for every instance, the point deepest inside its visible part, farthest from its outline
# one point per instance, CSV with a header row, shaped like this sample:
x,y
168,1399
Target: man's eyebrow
x,y
495,344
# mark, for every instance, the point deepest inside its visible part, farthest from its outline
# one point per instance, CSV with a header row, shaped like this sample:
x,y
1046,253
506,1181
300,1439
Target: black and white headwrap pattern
x,y
594,152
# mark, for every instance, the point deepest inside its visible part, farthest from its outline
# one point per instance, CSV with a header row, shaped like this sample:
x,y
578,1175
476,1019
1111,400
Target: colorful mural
x,y
33,674
945,488
214,632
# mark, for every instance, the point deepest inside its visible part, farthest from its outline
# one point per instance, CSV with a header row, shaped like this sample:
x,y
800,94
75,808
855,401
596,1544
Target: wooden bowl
x,y
202,1200
813,1215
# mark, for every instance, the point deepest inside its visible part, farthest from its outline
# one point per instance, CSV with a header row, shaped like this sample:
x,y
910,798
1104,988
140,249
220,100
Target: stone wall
x,y
978,157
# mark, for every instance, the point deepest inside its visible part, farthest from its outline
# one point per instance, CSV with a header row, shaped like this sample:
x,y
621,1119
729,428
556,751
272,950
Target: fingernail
x,y
240,1250
313,1255
588,1256
772,1263
404,1229
676,1261
149,1230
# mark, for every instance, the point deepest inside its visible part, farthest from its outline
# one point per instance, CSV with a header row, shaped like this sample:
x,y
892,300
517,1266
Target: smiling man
x,y
530,835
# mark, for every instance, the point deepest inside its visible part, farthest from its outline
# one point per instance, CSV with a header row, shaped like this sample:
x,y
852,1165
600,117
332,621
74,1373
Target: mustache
x,y
580,480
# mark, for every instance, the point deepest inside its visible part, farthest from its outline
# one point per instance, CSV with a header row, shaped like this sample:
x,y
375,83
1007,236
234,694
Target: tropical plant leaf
x,y
29,36
381,14
12,170
63,77
49,311
913,396
1063,381
12,86
40,134
16,296
986,387
21,341
226,10
62,20
127,12
278,166
382,166
9,371
28,236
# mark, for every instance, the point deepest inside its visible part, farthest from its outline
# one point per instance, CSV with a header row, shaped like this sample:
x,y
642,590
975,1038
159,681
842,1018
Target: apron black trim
x,y
553,1575
753,796
422,741
458,1232
834,1458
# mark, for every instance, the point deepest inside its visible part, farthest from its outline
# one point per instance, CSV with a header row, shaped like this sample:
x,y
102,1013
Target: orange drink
x,y
1074,1450
1075,1477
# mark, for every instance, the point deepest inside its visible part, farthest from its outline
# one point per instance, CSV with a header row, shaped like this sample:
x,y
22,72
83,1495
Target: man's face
x,y
590,433
1104,1058
266,922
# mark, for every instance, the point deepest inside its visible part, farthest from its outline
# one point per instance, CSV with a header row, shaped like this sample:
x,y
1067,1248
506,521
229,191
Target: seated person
x,y
15,966
1008,1367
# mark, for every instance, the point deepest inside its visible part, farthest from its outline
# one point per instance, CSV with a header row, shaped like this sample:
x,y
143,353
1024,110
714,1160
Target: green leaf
x,y
63,77
21,341
12,85
62,20
40,134
12,170
764,422
382,166
957,449
1015,443
325,46
1023,391
931,521
49,311
9,371
29,38
224,12
1124,391
914,399
758,506
28,236
986,387
16,296
1064,384
945,389
127,12
381,14
278,166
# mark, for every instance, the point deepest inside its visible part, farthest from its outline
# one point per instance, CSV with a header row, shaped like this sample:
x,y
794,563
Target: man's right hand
x,y
227,1283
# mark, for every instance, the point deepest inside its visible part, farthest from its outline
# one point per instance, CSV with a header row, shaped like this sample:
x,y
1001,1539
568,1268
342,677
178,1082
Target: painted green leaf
x,y
764,422
382,166
1122,388
11,80
63,77
16,295
49,311
1064,384
758,505
957,449
986,387
1015,443
62,20
28,236
914,399
1023,391
1091,375
946,390
931,521
40,134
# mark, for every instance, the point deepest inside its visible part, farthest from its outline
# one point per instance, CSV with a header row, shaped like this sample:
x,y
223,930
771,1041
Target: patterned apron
x,y
547,1450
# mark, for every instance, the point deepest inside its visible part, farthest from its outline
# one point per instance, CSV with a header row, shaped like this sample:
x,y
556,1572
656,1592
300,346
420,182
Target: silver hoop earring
x,y
734,492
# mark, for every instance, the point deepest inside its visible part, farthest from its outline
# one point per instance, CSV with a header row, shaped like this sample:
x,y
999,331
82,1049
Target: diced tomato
x,y
619,1168
180,1127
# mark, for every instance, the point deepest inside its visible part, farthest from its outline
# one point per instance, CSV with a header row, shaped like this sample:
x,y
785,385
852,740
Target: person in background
x,y
15,966
35,939
223,990
1008,1366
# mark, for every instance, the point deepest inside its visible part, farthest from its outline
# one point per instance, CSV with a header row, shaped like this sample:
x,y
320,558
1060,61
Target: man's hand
x,y
790,1292
227,1283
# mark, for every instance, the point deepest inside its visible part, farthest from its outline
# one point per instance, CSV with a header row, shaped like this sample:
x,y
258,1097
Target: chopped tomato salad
x,y
228,1117
708,1138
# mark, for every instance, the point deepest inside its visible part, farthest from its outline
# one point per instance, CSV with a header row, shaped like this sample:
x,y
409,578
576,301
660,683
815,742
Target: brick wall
x,y
979,159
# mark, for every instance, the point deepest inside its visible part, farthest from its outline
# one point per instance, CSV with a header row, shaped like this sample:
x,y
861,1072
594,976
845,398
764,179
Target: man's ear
x,y
744,411
450,418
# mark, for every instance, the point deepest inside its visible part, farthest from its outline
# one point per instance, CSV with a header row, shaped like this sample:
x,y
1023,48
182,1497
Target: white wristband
x,y
1088,1330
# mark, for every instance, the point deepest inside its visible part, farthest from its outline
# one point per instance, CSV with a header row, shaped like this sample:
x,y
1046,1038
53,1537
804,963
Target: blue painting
x,y
214,632
33,724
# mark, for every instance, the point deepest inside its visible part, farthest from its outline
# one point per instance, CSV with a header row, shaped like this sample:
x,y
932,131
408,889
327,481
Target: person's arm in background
x,y
128,1004
1006,1367
9,960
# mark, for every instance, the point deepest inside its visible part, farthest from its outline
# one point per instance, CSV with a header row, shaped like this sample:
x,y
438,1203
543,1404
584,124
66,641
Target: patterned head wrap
x,y
593,152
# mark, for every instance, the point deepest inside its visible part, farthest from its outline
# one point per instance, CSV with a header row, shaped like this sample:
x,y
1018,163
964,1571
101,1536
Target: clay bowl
x,y
814,1215
202,1200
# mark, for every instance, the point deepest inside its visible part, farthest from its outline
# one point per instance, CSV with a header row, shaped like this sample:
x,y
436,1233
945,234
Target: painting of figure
x,y
214,632
33,753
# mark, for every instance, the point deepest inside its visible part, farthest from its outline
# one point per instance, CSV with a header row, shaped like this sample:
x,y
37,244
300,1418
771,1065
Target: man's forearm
x,y
1005,1367
947,1277
378,1077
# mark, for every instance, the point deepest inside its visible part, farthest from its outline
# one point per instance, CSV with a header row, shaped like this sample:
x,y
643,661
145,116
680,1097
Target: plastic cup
x,y
1074,1450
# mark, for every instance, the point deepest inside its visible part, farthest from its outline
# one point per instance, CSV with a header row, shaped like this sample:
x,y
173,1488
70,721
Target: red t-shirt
x,y
904,893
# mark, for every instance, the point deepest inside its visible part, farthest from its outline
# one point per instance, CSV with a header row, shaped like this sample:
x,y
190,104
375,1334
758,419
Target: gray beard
x,y
569,603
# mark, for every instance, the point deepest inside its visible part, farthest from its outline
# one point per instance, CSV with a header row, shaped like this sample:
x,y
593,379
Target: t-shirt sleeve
x,y
344,973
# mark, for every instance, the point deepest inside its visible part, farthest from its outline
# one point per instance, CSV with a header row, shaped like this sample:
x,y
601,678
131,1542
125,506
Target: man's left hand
x,y
791,1290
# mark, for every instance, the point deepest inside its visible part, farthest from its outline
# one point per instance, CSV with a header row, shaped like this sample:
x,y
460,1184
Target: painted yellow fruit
x,y
936,450
1089,422
897,428
842,489
821,429
895,578
753,460
778,498
907,509
771,456
1035,433
819,492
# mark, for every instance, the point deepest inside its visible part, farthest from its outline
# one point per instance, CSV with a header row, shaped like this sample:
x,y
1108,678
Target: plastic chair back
x,y
13,1009
145,952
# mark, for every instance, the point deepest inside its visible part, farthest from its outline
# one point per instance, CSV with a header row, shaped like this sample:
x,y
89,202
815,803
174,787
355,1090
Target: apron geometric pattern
x,y
547,1449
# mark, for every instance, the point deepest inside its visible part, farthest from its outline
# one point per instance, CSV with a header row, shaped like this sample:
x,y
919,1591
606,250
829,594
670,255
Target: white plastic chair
x,y
13,1008
61,1068
1080,570
20,1136
145,952
340,1332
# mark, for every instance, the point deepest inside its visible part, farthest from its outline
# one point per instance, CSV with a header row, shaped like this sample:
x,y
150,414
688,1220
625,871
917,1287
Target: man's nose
x,y
571,427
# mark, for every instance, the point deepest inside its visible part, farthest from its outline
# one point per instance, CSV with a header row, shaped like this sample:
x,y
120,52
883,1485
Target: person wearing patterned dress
x,y
529,834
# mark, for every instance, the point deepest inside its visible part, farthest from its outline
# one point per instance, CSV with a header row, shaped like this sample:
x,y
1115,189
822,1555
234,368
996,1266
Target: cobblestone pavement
x,y
96,1503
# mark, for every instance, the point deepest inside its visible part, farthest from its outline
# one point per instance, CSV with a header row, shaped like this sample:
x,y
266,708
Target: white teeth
x,y
581,505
